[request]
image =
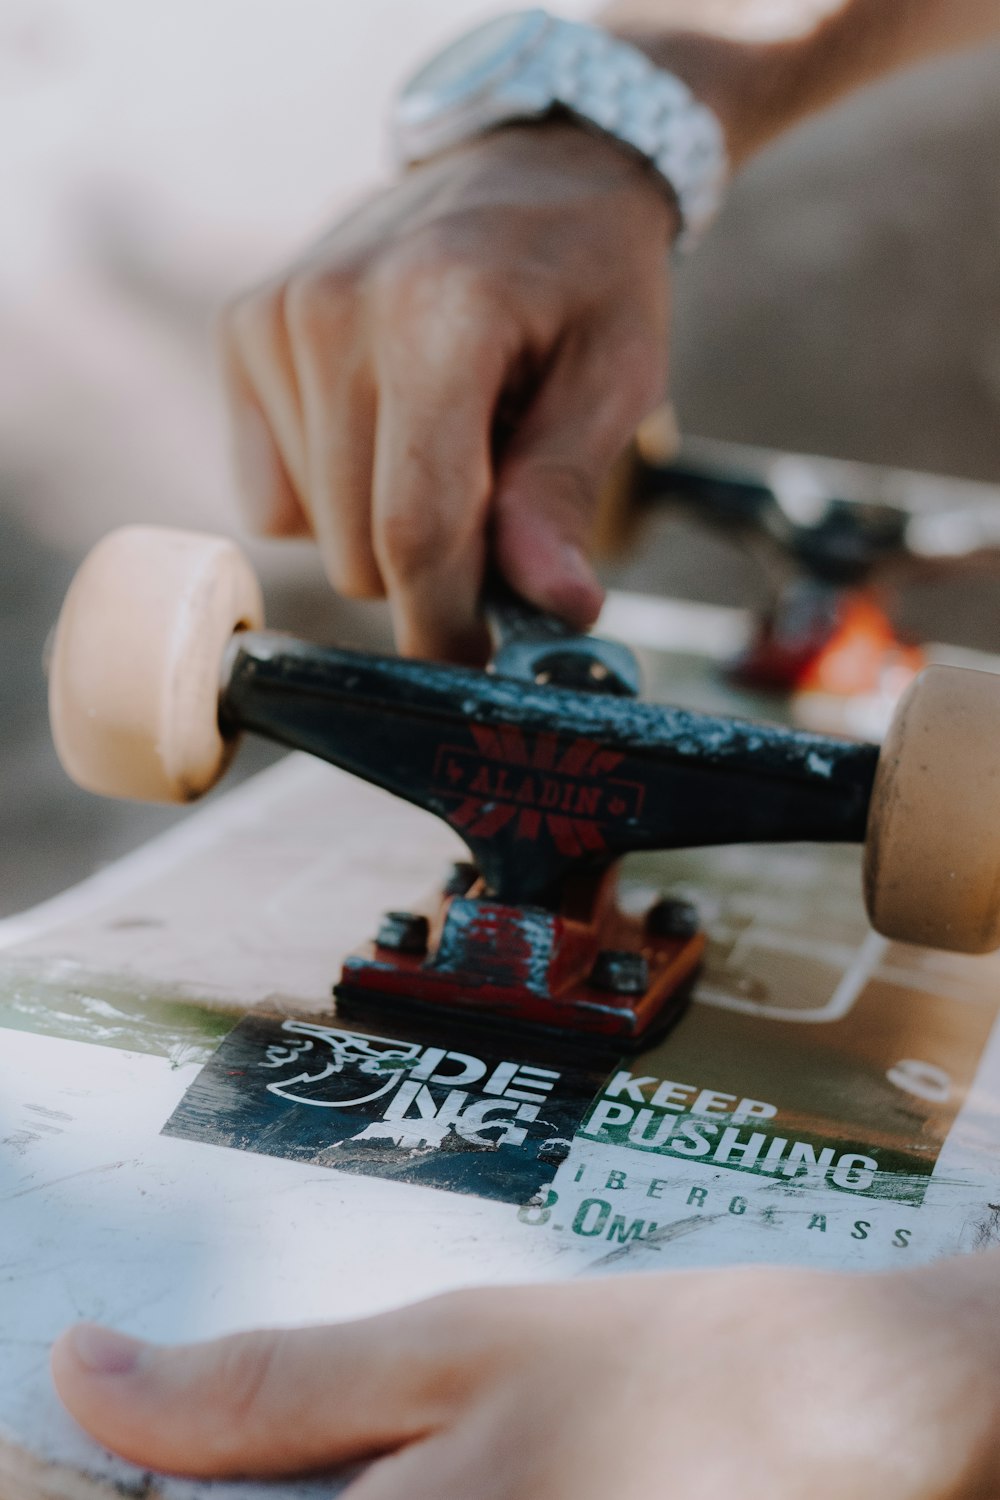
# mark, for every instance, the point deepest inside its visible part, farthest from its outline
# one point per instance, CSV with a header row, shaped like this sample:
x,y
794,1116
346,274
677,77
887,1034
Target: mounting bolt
x,y
462,878
621,971
672,918
403,932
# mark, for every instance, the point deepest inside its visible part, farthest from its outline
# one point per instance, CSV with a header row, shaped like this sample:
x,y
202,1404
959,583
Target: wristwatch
x,y
527,64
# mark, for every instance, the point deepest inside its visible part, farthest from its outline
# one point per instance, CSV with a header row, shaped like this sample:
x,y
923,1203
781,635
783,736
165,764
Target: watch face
x,y
473,60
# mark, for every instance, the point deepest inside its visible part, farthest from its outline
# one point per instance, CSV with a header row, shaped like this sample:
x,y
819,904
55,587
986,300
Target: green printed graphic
x,y
762,1147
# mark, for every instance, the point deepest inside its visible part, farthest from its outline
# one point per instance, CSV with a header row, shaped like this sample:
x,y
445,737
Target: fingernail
x,y
585,597
577,565
105,1352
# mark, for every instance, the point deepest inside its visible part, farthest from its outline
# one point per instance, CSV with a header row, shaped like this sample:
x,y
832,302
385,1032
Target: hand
x,y
462,358
762,1384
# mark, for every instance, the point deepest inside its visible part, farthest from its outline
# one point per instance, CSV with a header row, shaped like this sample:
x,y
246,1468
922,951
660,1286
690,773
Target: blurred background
x,y
153,160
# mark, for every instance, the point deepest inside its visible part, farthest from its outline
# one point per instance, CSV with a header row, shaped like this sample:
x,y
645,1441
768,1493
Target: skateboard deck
x,y
192,1142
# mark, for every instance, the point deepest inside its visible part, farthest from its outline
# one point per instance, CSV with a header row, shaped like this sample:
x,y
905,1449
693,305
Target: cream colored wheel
x,y
134,672
932,855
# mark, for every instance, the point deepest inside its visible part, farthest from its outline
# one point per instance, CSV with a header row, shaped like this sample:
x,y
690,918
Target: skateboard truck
x,y
574,962
825,631
548,767
550,770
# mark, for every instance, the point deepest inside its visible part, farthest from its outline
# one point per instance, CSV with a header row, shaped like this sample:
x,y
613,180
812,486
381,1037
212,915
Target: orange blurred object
x,y
835,654
863,654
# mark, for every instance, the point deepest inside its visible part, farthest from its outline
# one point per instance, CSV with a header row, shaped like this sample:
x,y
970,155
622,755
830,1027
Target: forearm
x,y
763,65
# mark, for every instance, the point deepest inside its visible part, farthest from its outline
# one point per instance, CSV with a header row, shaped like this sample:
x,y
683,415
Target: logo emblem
x,y
536,786
452,1111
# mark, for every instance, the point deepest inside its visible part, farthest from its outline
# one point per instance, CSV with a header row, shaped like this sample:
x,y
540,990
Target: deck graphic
x,y
461,1113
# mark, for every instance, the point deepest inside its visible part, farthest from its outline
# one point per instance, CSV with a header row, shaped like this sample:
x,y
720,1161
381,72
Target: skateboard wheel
x,y
932,853
136,659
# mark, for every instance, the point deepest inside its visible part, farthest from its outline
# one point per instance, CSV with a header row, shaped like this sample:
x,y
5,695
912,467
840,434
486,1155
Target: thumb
x,y
550,480
268,1403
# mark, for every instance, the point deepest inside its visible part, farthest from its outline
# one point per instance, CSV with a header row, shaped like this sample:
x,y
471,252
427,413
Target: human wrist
x,y
751,86
764,65
529,65
575,156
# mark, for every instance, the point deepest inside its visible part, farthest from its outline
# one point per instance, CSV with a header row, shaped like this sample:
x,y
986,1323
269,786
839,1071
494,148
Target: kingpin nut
x,y
672,918
621,971
403,932
461,879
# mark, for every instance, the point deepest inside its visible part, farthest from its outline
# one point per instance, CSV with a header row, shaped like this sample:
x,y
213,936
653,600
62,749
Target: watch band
x,y
608,85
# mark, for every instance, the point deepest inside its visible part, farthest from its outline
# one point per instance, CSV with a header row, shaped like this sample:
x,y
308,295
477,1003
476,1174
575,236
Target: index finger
x,y
440,370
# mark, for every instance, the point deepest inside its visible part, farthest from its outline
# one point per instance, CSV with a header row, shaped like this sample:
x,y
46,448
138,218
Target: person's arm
x,y
521,276
764,65
761,1384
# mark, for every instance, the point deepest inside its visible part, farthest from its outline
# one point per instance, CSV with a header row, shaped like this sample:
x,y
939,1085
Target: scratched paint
x,y
57,999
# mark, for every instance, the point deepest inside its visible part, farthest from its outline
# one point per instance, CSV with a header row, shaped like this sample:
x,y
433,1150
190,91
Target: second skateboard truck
x,y
159,662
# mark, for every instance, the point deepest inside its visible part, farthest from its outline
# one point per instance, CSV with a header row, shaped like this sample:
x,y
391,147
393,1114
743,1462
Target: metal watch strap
x,y
608,85
611,84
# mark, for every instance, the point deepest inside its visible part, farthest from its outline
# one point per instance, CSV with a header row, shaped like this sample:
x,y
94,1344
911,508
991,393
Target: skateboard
x,y
607,994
